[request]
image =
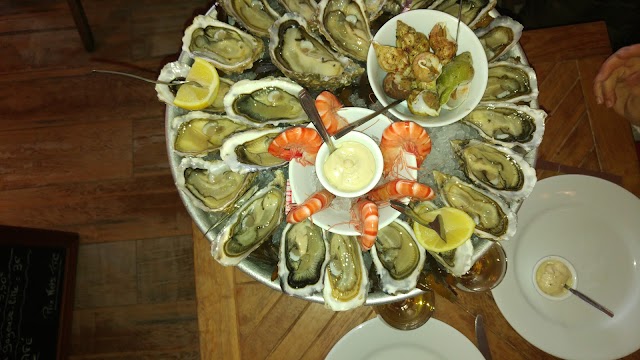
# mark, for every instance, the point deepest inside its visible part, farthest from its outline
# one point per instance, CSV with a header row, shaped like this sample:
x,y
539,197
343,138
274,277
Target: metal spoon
x,y
309,105
347,129
406,210
459,16
589,300
168,83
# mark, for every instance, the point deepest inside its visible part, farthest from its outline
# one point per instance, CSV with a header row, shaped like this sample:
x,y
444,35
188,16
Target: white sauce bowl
x,y
573,279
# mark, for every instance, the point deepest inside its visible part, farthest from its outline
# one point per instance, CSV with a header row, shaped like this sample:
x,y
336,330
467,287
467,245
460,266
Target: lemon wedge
x,y
456,226
193,97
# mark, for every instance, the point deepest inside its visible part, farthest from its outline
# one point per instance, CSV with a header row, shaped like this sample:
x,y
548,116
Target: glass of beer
x,y
486,273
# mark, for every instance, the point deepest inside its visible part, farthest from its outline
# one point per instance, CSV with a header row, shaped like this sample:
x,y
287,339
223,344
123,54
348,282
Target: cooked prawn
x,y
400,137
399,188
314,203
365,220
298,143
328,106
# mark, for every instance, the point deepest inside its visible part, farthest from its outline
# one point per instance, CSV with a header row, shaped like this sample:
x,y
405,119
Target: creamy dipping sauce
x,y
350,168
551,277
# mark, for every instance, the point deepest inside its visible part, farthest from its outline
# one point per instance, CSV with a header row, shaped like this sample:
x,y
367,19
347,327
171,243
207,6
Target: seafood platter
x,y
245,163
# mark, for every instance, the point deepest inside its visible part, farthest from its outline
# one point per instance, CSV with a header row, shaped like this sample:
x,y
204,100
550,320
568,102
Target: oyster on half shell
x,y
211,185
304,58
499,37
345,25
457,261
508,124
268,101
305,8
251,224
226,47
473,11
248,151
171,71
510,82
198,133
303,257
345,280
398,258
493,217
255,15
497,168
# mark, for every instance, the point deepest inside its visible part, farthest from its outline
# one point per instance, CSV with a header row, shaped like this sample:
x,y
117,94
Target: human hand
x,y
617,84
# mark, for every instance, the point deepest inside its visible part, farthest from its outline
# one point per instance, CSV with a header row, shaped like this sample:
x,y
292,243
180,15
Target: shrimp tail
x,y
315,203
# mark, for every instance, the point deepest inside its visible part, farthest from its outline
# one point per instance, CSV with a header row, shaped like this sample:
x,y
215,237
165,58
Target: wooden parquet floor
x,y
86,153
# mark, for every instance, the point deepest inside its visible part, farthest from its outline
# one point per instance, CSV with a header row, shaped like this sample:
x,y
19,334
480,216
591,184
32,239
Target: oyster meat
x,y
305,8
473,11
198,133
508,124
345,25
493,217
218,102
510,82
211,185
499,37
457,261
496,168
398,258
255,15
248,151
303,57
345,279
251,224
226,47
268,101
303,257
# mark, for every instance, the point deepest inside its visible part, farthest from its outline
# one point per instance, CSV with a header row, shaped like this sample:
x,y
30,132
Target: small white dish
x,y
573,282
423,21
369,144
337,217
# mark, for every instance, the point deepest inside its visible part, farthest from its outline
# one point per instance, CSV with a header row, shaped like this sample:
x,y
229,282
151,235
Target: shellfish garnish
x,y
211,185
496,168
499,37
268,101
226,47
508,124
345,279
249,151
251,224
303,257
493,217
398,258
510,82
198,133
255,15
345,25
472,10
303,57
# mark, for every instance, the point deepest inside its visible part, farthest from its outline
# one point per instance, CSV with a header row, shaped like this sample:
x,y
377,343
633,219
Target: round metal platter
x,y
261,269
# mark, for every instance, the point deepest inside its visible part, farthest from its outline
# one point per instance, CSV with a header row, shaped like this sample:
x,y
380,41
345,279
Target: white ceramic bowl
x,y
423,21
573,282
360,138
304,181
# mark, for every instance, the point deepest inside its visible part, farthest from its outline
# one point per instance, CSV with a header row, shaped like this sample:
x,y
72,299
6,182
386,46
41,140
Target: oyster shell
x,y
457,261
211,185
345,279
198,133
303,57
398,258
254,15
423,4
303,257
473,11
226,47
252,224
345,25
170,72
248,151
374,8
305,8
508,124
493,217
268,101
499,37
510,82
497,168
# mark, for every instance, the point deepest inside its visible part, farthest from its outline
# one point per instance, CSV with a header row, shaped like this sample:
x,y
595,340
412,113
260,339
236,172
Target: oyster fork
x,y
168,83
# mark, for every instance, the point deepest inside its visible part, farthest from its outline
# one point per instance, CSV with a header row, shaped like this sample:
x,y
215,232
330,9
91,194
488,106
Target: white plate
x,y
595,225
304,181
375,340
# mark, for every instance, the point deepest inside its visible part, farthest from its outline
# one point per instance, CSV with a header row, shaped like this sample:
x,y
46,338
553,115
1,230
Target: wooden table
x,y
239,318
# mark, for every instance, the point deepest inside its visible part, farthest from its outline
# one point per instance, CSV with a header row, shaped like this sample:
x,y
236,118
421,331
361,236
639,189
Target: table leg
x,y
82,24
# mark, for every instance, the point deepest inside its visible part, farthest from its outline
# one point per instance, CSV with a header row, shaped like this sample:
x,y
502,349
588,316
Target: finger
x,y
609,87
628,52
618,59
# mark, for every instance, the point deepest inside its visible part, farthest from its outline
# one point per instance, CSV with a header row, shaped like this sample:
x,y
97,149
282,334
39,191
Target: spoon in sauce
x,y
589,300
309,106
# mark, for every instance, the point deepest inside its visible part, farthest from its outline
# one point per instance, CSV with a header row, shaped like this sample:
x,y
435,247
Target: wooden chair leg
x,y
82,24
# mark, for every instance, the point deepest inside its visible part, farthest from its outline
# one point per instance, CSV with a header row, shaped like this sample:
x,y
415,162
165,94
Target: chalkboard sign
x,y
37,279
